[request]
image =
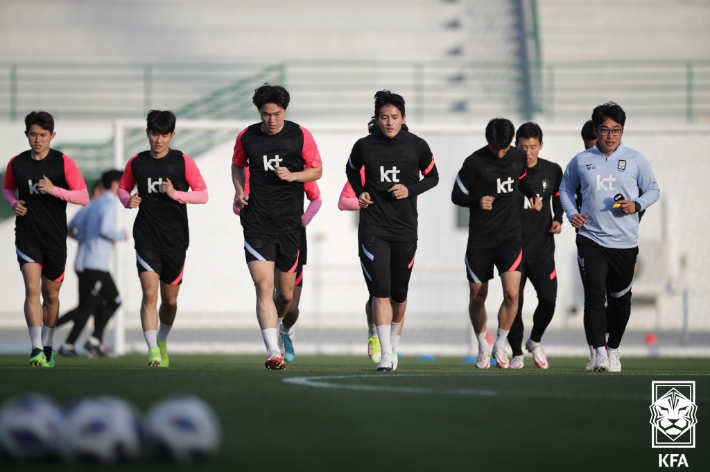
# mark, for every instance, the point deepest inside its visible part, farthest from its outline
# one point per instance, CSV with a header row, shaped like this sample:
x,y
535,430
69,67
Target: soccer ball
x,y
101,430
28,427
183,429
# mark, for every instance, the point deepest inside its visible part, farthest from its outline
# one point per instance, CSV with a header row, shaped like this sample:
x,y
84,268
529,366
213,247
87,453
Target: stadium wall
x,y
218,292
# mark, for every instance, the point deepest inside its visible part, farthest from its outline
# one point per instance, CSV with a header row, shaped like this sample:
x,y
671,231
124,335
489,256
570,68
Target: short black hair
x,y
110,176
40,118
529,130
161,122
588,131
268,93
608,110
385,97
500,132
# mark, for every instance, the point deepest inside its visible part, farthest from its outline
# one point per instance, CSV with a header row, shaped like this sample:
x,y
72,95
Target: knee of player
x,y
264,289
285,296
169,301
33,291
547,300
399,296
383,291
511,295
150,296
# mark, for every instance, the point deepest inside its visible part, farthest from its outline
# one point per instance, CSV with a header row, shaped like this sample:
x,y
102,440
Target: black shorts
x,y
387,266
302,258
52,260
169,265
282,249
480,261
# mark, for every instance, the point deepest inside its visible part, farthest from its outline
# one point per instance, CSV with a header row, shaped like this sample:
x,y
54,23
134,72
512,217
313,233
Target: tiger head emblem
x,y
673,414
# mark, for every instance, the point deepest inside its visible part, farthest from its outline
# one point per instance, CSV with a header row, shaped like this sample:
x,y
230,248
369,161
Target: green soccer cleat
x,y
373,349
49,357
37,358
154,357
162,345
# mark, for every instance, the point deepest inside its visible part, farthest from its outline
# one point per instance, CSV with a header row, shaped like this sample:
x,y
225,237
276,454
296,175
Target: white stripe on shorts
x,y
253,252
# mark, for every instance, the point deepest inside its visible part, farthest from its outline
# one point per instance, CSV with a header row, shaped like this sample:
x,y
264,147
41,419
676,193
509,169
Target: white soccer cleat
x,y
538,354
484,360
518,362
592,361
395,358
501,356
614,360
386,362
602,364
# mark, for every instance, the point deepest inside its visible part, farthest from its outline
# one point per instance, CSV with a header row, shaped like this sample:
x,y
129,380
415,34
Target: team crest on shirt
x,y
544,185
622,165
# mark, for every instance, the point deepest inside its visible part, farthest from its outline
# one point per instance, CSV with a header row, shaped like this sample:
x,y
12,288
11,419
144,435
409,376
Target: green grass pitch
x,y
338,413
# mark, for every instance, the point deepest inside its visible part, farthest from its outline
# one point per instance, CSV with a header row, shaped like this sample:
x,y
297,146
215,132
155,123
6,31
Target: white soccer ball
x,y
184,429
101,430
28,427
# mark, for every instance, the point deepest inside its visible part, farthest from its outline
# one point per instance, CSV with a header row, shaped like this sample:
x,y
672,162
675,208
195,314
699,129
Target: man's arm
x,y
647,183
460,195
108,223
430,173
570,182
352,169
556,204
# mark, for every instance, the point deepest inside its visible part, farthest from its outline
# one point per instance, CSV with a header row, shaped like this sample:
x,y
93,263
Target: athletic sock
x,y
68,346
94,341
151,338
284,329
36,337
270,339
395,341
601,351
47,336
591,351
502,337
163,331
383,332
371,331
394,327
482,342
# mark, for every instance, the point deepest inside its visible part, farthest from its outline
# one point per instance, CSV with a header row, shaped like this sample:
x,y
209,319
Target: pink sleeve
x,y
348,191
239,159
431,166
124,197
73,176
79,197
196,196
348,203
310,153
312,190
195,181
10,196
127,180
311,211
9,181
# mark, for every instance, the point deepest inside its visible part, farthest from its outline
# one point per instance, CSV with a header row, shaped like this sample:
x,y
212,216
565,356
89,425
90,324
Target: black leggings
x,y
543,276
606,270
99,297
387,266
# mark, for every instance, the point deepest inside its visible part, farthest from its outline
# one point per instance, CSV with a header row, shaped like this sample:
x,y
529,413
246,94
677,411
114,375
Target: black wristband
x,y
638,207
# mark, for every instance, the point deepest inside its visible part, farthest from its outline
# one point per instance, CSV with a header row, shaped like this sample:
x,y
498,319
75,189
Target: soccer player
x,y
161,232
608,222
286,323
281,157
488,184
99,295
393,158
588,136
38,184
538,230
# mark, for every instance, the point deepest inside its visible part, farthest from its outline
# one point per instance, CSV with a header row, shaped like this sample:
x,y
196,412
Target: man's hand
x,y
487,203
399,191
364,200
535,203
627,206
241,200
579,220
45,185
284,174
168,188
19,208
556,227
134,201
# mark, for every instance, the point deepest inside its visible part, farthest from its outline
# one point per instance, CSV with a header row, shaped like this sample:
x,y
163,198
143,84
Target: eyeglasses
x,y
607,132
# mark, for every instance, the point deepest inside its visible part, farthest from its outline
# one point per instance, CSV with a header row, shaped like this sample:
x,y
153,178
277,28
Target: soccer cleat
x,y
602,364
280,340
68,352
590,364
154,357
37,357
484,360
162,345
373,349
518,362
274,361
386,362
289,352
614,360
538,354
91,350
395,358
49,356
501,356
